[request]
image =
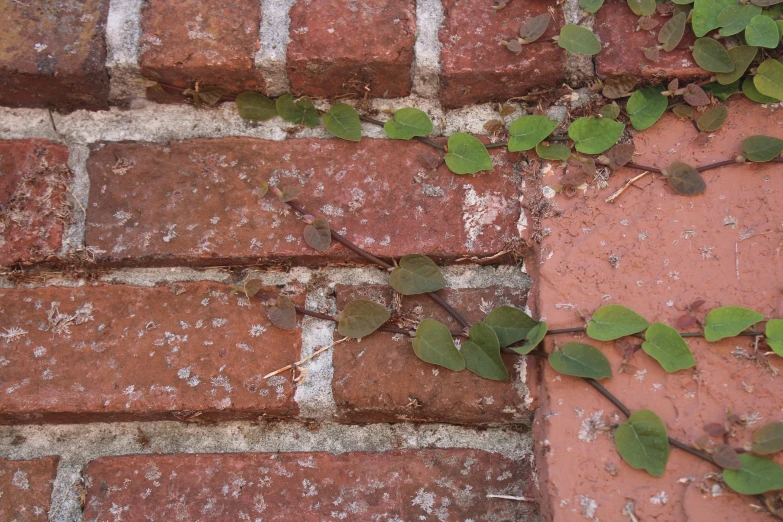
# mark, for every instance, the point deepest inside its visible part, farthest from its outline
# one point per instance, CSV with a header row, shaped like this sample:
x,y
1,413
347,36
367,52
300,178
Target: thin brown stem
x,y
643,167
388,329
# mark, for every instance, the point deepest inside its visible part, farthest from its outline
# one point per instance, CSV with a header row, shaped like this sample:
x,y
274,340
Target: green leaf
x,y
301,111
735,18
684,112
466,154
722,92
580,360
614,321
595,135
510,324
591,6
710,55
757,476
255,107
768,438
342,120
761,148
642,7
664,344
318,234
774,333
762,32
553,151
643,443
712,119
741,56
685,180
769,79
528,131
728,321
433,344
646,106
408,123
282,314
610,111
360,318
749,89
482,353
672,31
577,39
705,14
534,337
416,274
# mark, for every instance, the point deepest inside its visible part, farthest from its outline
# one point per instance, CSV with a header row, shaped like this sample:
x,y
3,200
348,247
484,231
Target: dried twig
x,y
302,361
510,497
628,183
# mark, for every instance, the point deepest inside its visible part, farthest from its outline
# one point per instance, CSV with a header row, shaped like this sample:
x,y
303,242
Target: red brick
x,y
380,379
622,50
477,68
26,488
33,200
52,54
211,42
202,190
397,485
105,353
342,47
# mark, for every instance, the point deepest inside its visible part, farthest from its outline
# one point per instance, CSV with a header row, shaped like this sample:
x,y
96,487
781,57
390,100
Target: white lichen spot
x,y
479,212
660,498
589,506
256,330
308,488
39,47
591,427
20,480
639,375
221,381
218,322
12,334
122,217
170,233
424,500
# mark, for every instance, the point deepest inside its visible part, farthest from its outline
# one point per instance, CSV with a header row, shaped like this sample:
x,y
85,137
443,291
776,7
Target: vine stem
x,y
703,168
404,331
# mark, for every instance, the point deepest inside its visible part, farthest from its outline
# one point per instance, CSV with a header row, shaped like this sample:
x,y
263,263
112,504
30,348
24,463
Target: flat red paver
x,y
363,48
380,379
26,488
194,202
723,247
396,485
112,352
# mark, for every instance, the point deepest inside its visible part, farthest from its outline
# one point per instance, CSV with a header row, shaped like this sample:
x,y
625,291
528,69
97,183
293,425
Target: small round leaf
x,y
643,443
614,321
712,56
728,321
695,95
482,353
769,79
610,111
762,148
671,32
590,6
768,438
762,32
553,151
646,106
577,39
282,314
360,318
408,123
301,111
774,333
665,344
510,324
741,56
705,14
685,180
342,120
534,338
757,476
433,344
466,154
735,18
534,28
528,131
318,234
749,89
416,274
253,106
595,135
580,360
712,119
642,7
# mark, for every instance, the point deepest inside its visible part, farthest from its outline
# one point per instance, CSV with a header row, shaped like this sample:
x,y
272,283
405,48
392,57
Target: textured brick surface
x,y
210,42
447,485
476,67
26,488
33,204
380,379
672,251
194,202
52,54
187,350
622,50
365,48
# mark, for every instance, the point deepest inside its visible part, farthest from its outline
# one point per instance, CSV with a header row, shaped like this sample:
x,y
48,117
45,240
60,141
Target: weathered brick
x,y
670,251
363,48
622,50
193,202
26,488
52,54
210,42
476,67
380,379
396,485
33,204
114,352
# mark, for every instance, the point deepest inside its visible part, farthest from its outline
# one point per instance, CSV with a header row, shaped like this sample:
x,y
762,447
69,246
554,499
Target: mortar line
x,y
65,504
425,70
273,37
73,236
123,36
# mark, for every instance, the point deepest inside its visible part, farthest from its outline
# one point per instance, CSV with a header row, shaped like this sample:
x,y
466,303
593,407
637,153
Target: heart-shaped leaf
x,y
482,353
757,476
685,180
762,148
672,31
416,274
360,318
741,56
705,14
735,18
642,7
595,135
726,457
620,155
301,111
528,131
408,123
695,96
206,95
553,151
433,344
253,106
768,438
711,56
664,344
749,89
466,154
510,324
646,106
643,443
342,120
728,321
590,6
534,28
534,337
318,234
610,111
769,79
762,32
774,333
619,86
580,360
614,321
577,39
712,119
282,314
252,287
722,92
684,112
288,193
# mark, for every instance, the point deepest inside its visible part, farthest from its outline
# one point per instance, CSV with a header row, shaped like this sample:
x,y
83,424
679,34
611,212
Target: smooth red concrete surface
x,y
26,488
